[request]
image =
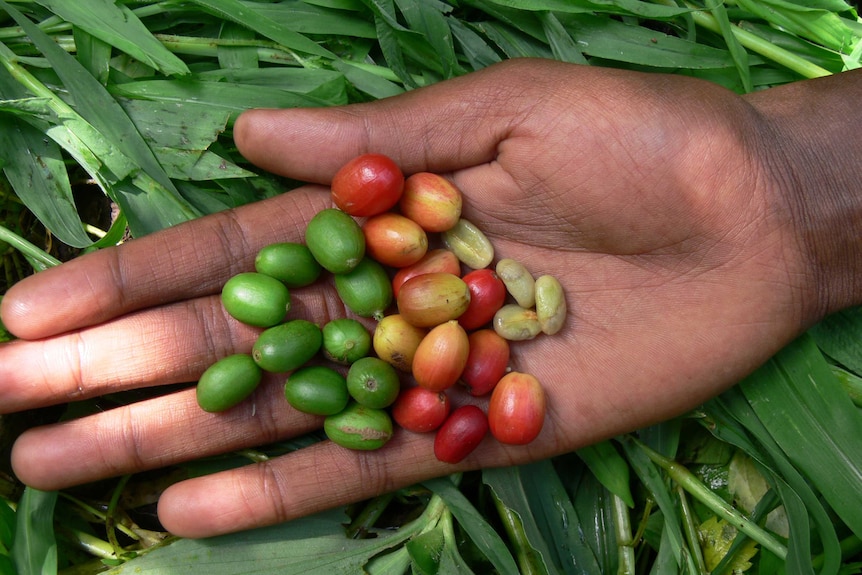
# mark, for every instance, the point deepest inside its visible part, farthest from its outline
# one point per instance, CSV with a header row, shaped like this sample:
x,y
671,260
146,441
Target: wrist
x,y
811,132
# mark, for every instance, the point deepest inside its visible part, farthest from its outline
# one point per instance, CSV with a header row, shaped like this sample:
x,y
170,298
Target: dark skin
x,y
695,231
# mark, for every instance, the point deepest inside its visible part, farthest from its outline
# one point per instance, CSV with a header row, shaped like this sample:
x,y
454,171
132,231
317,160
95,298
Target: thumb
x,y
443,127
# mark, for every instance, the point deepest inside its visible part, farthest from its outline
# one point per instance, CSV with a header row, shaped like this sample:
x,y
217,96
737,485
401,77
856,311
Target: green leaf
x,y
111,143
237,57
93,54
476,50
198,165
652,480
177,124
427,18
426,550
610,468
593,502
387,27
811,417
34,550
737,52
731,418
305,18
116,25
613,40
7,521
562,44
476,526
327,87
395,562
624,7
820,26
507,484
512,42
93,102
314,545
368,82
36,170
555,517
224,96
248,15
840,337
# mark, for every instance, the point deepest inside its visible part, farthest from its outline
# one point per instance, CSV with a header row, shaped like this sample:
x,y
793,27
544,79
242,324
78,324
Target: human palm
x,y
655,213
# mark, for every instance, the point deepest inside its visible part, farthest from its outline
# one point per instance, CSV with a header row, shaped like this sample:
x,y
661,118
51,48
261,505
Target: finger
x,y
440,128
315,478
152,434
186,337
181,262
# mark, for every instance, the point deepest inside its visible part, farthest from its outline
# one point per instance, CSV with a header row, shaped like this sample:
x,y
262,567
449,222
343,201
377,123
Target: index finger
x,y
185,261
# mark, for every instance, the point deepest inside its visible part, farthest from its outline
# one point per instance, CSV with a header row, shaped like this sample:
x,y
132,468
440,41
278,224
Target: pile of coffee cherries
x,y
400,254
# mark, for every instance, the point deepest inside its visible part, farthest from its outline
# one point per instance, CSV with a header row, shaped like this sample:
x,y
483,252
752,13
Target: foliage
x,y
136,98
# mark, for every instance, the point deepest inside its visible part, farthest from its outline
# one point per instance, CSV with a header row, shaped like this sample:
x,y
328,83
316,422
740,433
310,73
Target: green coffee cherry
x,y
256,299
287,346
316,389
336,240
227,382
366,290
373,382
345,340
289,262
359,427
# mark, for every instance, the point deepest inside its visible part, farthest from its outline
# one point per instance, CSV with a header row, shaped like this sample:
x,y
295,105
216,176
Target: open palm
x,y
648,197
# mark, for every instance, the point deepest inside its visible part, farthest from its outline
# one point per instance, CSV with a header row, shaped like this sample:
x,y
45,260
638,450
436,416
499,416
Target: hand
x,y
655,200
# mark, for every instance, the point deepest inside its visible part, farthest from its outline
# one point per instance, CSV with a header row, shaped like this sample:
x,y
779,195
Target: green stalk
x,y
755,43
689,527
28,249
111,513
98,514
688,481
625,541
93,545
525,555
369,515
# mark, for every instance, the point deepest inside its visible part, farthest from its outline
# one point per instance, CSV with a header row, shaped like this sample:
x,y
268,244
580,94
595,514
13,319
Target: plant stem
x,y
110,516
369,515
625,541
528,562
28,249
690,531
756,44
688,481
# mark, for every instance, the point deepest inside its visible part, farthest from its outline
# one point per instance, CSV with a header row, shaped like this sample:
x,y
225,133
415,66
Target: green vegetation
x,y
135,100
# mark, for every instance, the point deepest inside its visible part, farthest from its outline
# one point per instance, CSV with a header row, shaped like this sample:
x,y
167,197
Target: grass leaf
x,y
791,395
476,526
116,25
623,7
613,40
562,44
37,172
840,337
610,468
248,15
427,18
555,516
731,418
649,475
314,545
818,25
94,103
737,52
34,550
224,96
